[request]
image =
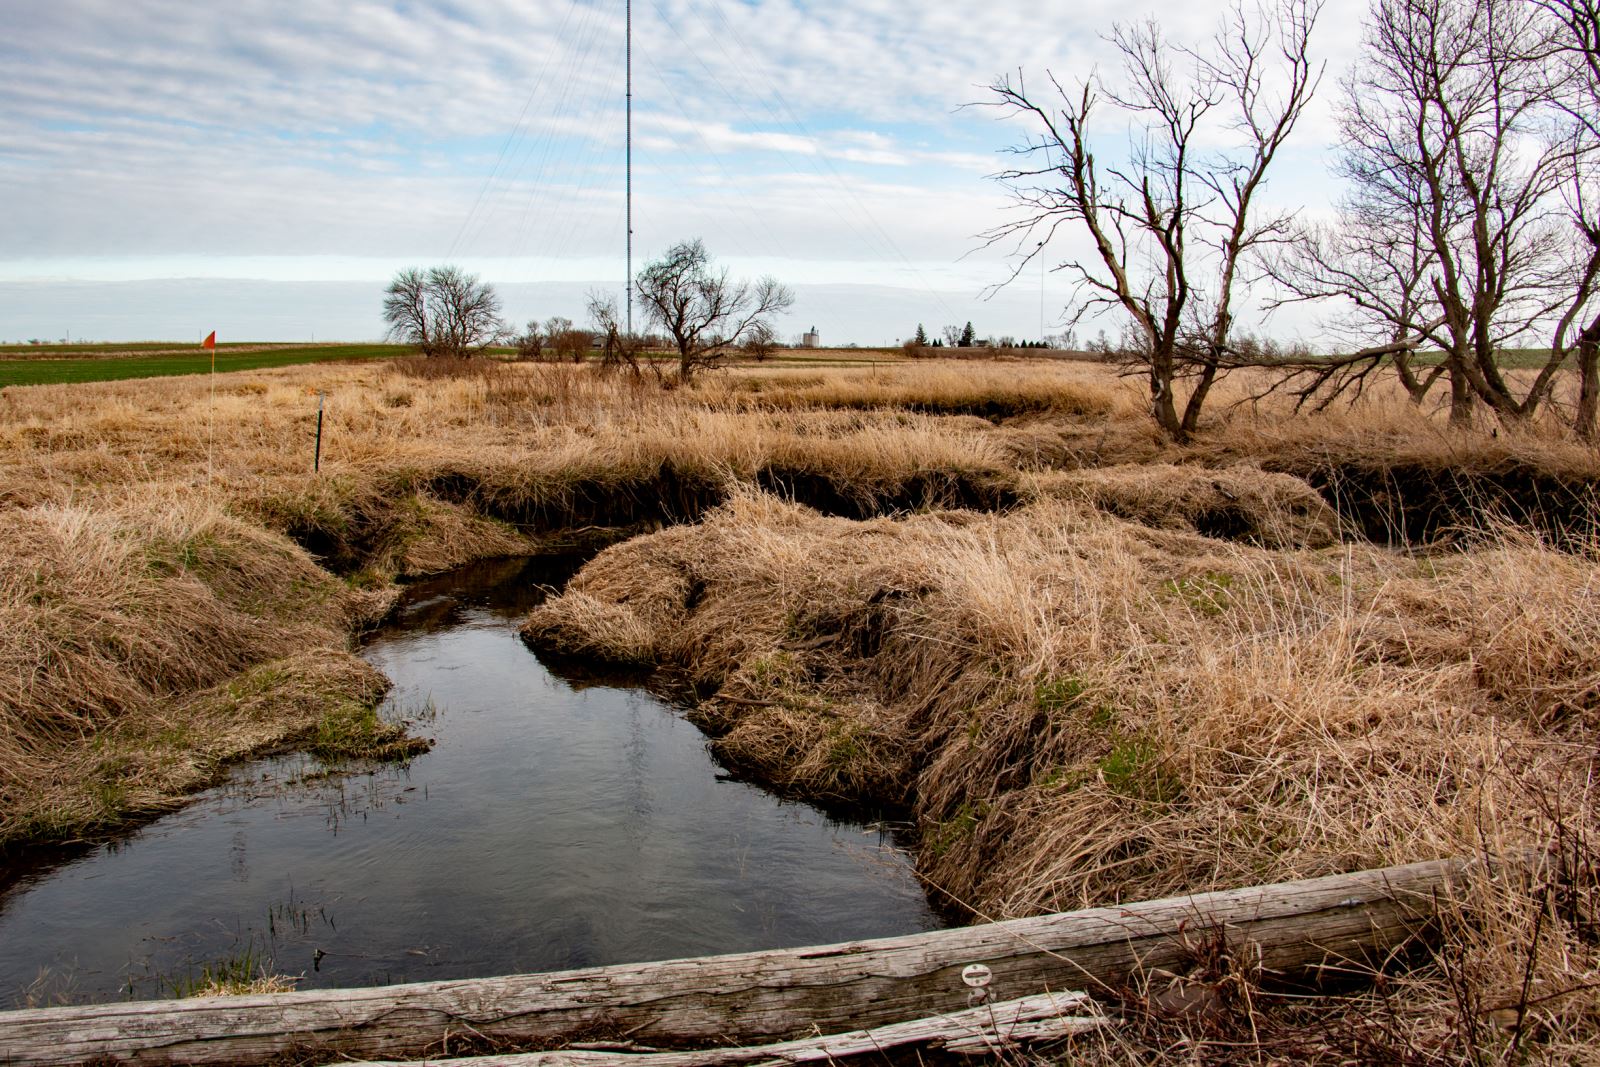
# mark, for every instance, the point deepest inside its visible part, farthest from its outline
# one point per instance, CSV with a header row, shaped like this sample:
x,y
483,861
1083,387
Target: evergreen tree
x,y
922,335
967,337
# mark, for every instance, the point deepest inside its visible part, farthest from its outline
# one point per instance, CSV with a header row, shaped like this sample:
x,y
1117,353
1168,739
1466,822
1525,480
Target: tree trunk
x,y
1163,407
1197,400
1460,391
1588,381
1294,929
1416,388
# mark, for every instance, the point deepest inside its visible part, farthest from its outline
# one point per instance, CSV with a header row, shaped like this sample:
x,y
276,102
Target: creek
x,y
564,818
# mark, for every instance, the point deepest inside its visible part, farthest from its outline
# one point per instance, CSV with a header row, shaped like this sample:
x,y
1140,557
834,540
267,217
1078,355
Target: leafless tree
x,y
619,350
1175,224
1577,330
443,311
701,309
761,342
565,340
531,342
1449,238
1375,261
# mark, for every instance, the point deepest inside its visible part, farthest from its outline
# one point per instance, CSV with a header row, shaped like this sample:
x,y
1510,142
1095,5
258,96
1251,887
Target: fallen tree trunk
x,y
990,1029
1294,928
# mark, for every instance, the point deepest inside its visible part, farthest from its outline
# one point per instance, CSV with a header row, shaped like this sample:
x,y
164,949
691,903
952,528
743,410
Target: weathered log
x,y
987,1029
1293,928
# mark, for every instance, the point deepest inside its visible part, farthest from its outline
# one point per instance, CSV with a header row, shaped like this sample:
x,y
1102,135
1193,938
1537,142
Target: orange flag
x,y
210,341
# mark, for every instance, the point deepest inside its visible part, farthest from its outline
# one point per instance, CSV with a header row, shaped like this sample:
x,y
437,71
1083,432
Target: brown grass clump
x,y
117,628
266,983
1234,503
943,389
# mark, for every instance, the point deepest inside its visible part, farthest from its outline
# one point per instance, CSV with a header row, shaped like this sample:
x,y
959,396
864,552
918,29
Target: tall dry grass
x,y
1128,669
1083,710
142,645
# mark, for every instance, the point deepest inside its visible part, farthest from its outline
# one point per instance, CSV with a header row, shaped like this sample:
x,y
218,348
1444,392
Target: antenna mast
x,y
627,287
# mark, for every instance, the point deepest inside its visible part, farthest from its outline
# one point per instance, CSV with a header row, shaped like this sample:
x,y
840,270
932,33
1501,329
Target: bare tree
x,y
443,311
566,341
702,311
1375,261
761,342
619,350
1449,238
1577,329
531,342
1174,225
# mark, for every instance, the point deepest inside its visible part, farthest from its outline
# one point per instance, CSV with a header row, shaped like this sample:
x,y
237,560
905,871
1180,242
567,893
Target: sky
x,y
263,168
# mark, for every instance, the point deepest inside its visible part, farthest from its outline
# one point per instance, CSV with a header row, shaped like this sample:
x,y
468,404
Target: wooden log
x,y
1298,927
988,1029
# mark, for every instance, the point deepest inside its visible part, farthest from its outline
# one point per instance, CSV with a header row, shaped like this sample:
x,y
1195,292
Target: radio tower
x,y
628,49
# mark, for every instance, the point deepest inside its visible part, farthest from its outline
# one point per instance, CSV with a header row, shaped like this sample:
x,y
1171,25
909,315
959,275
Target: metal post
x,y
1041,292
316,462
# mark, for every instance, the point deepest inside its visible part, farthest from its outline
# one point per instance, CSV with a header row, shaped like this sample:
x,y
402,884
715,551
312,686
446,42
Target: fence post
x,y
316,461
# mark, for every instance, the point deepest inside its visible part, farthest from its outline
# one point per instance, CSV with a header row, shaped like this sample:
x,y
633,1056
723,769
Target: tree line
x,y
1469,224
700,311
966,337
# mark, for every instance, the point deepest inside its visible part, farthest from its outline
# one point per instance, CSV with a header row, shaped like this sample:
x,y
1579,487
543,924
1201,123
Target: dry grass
x,y
143,645
267,983
1085,710
1096,667
1233,503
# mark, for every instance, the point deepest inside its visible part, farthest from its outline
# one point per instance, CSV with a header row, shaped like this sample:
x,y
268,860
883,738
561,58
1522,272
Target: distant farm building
x,y
811,338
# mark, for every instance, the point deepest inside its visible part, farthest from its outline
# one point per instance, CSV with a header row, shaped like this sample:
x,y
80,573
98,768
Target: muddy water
x,y
560,821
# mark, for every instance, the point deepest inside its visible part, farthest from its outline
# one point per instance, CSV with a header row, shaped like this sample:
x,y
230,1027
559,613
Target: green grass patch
x,y
1065,693
1206,594
1506,358
960,826
1058,694
248,969
53,349
355,731
1134,768
74,371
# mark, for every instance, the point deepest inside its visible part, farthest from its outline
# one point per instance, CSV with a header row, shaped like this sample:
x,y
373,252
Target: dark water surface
x,y
558,822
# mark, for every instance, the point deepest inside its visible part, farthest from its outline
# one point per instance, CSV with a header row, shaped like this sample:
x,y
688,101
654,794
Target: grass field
x,y
35,370
57,350
67,364
1088,665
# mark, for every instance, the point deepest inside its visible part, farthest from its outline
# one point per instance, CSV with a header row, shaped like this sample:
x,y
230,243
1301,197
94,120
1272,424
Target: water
x,y
560,821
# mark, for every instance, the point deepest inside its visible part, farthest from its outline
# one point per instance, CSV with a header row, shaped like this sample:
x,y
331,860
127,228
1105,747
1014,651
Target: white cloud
x,y
820,133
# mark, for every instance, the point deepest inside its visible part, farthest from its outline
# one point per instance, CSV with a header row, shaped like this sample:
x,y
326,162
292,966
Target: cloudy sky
x,y
167,165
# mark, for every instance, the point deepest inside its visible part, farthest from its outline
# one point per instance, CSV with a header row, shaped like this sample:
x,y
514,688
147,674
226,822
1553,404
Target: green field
x,y
37,371
41,365
52,350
